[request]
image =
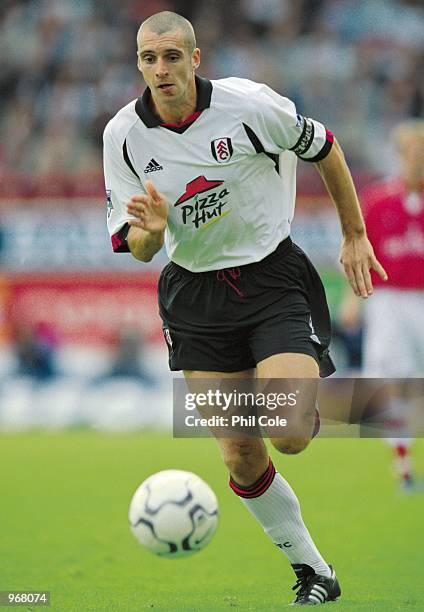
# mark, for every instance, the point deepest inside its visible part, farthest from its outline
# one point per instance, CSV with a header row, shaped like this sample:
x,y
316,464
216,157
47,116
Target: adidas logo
x,y
152,166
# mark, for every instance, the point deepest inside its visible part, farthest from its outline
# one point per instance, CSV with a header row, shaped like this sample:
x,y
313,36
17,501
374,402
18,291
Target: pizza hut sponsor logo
x,y
203,202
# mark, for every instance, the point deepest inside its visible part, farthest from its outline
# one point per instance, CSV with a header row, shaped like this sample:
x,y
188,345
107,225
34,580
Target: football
x,y
174,513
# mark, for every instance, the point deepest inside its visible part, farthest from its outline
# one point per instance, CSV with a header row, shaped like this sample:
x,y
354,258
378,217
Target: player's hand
x,y
357,257
150,210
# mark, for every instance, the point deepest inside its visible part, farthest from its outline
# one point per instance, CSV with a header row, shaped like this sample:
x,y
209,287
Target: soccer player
x,y
394,333
208,167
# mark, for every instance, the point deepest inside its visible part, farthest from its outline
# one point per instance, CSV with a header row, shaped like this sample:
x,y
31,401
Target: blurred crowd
x,y
68,66
36,355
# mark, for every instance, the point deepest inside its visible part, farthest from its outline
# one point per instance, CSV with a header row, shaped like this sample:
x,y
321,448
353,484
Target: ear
x,y
139,62
195,59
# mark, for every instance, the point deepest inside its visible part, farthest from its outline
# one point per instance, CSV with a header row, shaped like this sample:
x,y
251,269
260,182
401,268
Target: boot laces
x,y
304,584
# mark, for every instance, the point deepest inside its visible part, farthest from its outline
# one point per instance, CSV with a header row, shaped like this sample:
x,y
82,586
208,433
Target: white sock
x,y
278,511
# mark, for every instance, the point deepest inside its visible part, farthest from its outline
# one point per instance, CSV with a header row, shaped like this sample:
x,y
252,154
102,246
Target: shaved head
x,y
166,21
168,59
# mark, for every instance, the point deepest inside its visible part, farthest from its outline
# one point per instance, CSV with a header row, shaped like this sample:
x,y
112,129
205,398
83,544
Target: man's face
x,y
167,65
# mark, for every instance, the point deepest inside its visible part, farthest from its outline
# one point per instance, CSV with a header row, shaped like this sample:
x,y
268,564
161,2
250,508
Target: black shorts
x,y
229,320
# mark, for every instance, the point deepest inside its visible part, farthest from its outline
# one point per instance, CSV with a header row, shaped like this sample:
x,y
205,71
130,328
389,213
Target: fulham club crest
x,y
222,150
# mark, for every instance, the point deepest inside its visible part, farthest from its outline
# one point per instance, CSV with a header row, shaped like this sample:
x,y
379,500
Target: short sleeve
x,y
279,127
121,182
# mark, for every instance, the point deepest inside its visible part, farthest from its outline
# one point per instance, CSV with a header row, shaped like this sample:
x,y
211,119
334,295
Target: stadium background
x,y
69,307
81,343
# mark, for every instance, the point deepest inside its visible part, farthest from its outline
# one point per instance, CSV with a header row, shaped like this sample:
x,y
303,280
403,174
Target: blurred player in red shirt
x,y
394,329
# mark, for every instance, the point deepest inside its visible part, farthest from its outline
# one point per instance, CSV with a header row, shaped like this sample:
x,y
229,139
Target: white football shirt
x,y
228,172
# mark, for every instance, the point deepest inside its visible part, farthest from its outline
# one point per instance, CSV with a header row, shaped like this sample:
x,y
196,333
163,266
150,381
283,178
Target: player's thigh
x,y
204,382
290,382
288,365
235,446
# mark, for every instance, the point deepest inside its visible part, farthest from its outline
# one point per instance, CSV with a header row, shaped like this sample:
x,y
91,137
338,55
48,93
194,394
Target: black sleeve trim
x,y
301,136
305,141
259,148
119,240
127,159
322,154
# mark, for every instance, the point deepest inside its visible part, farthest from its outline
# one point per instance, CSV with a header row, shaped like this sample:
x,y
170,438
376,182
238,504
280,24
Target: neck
x,y
178,111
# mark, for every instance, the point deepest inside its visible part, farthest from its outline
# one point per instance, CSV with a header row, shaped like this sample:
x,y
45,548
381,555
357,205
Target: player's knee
x,y
290,446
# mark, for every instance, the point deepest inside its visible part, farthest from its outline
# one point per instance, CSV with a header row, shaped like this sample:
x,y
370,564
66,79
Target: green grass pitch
x,y
63,505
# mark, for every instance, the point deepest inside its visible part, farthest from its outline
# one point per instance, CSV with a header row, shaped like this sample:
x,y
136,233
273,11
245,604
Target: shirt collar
x,y
150,120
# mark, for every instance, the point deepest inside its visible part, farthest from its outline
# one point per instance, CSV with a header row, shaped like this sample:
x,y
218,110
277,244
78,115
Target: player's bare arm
x,y
146,234
357,255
